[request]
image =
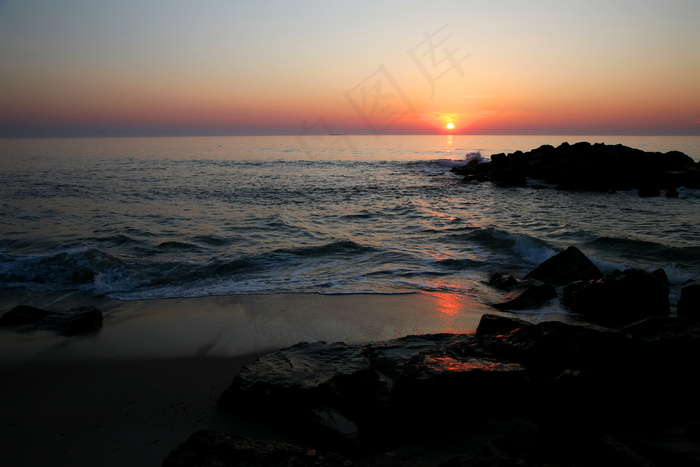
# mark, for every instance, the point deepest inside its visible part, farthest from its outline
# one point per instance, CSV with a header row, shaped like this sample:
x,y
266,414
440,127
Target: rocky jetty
x,y
590,167
77,320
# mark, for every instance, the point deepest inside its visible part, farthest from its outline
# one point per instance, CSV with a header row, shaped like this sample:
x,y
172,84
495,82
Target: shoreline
x,y
233,325
133,391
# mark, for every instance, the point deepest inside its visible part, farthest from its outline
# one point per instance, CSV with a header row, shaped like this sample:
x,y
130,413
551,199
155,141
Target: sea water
x,y
146,218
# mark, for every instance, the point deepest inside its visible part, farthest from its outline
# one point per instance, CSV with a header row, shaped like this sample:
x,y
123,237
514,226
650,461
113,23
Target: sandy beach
x,y
133,391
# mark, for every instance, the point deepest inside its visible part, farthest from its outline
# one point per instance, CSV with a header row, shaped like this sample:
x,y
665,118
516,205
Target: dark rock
x,y
591,167
689,303
494,324
572,290
210,449
505,282
77,320
515,394
528,294
671,193
457,388
23,314
328,388
551,347
622,297
564,267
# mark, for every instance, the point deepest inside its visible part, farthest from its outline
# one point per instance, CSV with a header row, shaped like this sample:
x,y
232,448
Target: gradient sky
x,y
99,68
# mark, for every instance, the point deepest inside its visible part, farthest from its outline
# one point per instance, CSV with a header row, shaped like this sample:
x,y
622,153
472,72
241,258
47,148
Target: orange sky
x,y
79,68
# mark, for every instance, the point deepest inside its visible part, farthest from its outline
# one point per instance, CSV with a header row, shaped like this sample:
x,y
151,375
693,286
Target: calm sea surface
x,y
141,218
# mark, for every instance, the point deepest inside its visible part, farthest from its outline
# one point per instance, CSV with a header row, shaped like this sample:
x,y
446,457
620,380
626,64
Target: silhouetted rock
x,y
528,294
622,297
564,267
458,388
572,290
505,282
689,303
671,193
77,320
494,324
23,314
591,167
525,394
211,448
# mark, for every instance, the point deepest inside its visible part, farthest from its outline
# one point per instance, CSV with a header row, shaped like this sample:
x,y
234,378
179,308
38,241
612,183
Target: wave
x,y
645,252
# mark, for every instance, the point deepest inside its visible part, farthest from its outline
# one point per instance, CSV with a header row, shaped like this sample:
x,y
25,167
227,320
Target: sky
x,y
167,68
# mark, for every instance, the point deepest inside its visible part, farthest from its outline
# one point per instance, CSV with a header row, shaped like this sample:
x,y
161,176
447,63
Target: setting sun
x,y
450,126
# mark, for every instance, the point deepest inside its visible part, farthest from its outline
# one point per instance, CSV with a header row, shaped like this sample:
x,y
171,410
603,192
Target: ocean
x,y
149,218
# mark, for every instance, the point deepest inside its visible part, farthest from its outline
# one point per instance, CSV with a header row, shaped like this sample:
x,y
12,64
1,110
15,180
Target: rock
x,y
23,314
520,393
211,448
590,167
550,347
458,389
564,267
528,294
671,193
77,320
572,290
494,324
327,388
622,297
689,303
505,282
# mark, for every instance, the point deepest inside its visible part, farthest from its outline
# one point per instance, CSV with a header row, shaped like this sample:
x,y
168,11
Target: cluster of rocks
x,y
590,167
514,393
619,390
615,299
78,320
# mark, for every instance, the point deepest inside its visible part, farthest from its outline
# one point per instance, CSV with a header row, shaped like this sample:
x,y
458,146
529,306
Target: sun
x,y
450,126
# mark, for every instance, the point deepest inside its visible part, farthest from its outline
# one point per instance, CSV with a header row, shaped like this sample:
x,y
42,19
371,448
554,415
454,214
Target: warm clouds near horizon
x,y
87,68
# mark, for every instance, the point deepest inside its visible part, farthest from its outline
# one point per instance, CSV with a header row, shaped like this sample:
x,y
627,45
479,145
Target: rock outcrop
x,y
515,393
689,303
621,297
529,293
589,167
567,266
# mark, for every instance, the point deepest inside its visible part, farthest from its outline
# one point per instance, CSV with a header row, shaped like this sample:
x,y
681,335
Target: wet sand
x,y
130,393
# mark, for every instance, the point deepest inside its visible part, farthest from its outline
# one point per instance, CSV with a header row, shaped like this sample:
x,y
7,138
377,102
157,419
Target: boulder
x,y
546,393
528,294
689,303
622,297
77,320
333,392
494,324
564,267
458,389
550,347
207,448
505,282
23,314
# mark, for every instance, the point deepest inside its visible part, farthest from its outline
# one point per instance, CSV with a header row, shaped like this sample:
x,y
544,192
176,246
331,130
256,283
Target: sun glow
x,y
450,126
